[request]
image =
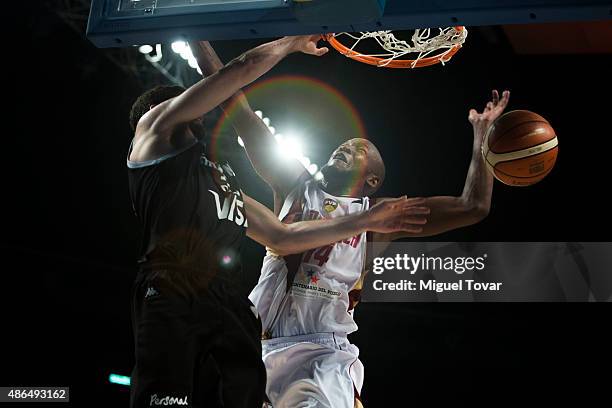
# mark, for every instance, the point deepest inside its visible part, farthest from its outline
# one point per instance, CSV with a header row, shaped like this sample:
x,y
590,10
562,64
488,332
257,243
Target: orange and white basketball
x,y
520,148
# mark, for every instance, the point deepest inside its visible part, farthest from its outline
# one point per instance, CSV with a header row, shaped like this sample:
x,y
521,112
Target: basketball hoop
x,y
447,42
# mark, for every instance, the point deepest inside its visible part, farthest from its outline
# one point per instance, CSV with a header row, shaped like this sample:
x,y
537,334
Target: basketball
x,y
520,148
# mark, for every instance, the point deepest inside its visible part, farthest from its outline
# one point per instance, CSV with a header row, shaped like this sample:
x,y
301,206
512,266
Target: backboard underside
x,y
121,23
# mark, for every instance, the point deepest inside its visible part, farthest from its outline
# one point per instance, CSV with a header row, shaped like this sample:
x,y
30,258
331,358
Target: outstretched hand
x,y
308,44
494,108
398,214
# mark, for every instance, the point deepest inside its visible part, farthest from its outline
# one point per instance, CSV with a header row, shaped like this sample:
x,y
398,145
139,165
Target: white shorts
x,y
312,371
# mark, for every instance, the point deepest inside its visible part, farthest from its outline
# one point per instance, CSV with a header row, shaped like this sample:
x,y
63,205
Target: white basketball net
x,y
422,44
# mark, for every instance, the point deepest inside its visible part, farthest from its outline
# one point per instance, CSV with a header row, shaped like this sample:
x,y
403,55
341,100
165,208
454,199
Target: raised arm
x,y
259,143
448,213
398,214
211,91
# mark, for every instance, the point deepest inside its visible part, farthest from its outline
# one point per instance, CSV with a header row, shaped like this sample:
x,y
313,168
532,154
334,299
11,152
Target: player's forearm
x,y
210,63
285,239
474,202
478,186
217,88
451,212
261,146
302,236
256,62
281,174
261,59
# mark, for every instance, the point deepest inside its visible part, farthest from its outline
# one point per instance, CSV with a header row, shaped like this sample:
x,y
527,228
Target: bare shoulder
x,y
146,147
152,142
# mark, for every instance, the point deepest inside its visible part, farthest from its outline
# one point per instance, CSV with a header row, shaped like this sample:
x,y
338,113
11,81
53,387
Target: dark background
x,y
69,239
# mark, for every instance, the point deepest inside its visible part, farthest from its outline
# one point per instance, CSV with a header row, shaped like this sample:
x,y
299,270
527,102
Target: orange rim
x,y
398,63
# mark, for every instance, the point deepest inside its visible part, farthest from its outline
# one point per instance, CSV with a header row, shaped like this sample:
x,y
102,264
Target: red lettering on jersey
x,y
354,241
322,255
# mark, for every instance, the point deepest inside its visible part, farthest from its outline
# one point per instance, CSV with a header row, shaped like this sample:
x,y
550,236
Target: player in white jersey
x,y
306,310
306,301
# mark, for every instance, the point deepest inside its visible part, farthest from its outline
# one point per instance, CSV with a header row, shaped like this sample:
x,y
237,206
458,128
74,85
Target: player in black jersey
x,y
197,339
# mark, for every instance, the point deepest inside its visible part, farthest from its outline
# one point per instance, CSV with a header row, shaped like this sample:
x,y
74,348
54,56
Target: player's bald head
x,y
376,165
355,166
375,174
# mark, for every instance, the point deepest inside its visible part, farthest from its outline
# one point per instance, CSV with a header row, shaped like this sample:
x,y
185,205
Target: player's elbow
x,y
478,212
472,212
282,248
279,242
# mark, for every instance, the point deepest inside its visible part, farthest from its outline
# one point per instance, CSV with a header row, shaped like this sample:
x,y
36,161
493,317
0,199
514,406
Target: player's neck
x,y
339,190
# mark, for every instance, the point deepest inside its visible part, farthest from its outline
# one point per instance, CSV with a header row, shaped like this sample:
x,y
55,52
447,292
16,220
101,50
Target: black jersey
x,y
191,213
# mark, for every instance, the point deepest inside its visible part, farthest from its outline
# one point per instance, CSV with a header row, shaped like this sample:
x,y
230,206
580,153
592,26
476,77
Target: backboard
x,y
121,23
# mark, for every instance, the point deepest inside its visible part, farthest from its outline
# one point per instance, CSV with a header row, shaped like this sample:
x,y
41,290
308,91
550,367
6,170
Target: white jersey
x,y
311,293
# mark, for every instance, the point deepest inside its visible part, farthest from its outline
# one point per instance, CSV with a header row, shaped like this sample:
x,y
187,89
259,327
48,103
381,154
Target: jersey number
x,y
320,255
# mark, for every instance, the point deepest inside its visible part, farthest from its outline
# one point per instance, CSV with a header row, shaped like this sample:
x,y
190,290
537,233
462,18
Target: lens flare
x,y
308,91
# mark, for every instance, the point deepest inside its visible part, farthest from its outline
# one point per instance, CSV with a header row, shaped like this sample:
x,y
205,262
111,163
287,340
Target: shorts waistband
x,y
332,339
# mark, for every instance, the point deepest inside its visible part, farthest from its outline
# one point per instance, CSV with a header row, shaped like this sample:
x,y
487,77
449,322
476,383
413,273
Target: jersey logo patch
x,y
151,291
329,205
309,284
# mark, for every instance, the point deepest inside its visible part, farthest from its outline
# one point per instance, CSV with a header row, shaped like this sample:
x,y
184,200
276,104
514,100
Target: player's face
x,y
347,167
350,156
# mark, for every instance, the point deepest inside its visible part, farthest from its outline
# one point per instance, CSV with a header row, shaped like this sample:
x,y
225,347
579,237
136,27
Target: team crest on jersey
x,y
329,205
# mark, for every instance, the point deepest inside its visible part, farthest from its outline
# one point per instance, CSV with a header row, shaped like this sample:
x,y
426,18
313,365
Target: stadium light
x,y
288,146
154,59
145,49
185,53
293,147
193,63
178,46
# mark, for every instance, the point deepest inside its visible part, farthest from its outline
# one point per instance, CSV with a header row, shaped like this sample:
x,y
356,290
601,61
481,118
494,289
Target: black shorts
x,y
194,348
